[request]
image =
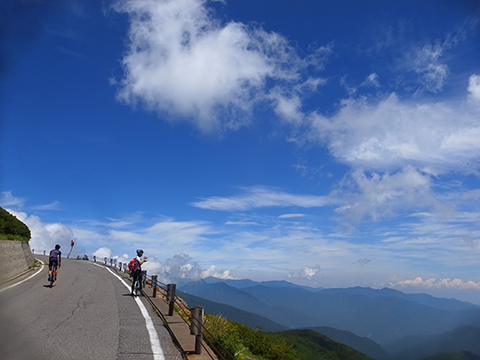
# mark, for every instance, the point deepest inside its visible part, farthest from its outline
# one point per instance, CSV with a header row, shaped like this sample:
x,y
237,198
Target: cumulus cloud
x,y
181,60
258,197
103,252
390,134
214,272
379,196
305,273
45,236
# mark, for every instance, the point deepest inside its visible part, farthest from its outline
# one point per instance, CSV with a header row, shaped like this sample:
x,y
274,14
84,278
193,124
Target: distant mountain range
x,y
464,338
400,322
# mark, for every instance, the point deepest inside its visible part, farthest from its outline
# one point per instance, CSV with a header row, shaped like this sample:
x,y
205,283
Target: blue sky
x,y
326,143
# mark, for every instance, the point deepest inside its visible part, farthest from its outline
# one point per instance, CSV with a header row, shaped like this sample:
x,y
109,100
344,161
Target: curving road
x,y
87,314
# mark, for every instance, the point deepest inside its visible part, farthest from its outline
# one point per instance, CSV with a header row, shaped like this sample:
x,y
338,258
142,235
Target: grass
x,y
13,237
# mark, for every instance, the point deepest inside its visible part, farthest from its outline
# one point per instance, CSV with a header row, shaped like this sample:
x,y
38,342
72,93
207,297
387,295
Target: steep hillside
x,y
362,344
11,228
465,338
315,346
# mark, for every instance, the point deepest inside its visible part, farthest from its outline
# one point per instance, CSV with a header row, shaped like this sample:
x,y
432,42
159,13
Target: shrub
x,y
11,228
241,341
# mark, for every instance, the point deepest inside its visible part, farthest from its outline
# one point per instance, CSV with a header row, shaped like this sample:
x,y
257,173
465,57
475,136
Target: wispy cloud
x,y
54,205
8,200
437,283
258,197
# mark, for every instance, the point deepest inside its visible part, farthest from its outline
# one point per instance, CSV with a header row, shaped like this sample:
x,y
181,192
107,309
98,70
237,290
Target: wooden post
x,y
171,289
197,327
154,285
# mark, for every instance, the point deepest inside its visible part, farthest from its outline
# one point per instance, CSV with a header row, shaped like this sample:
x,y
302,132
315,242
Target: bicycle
x,y
53,274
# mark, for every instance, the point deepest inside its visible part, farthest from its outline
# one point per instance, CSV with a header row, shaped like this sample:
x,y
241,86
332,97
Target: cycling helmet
x,y
139,251
57,247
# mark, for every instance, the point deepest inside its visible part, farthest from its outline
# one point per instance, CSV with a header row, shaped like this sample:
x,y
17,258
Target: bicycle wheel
x,y
52,276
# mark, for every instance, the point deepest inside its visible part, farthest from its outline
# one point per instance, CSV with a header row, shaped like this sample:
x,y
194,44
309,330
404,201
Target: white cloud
x,y
257,197
8,200
213,272
45,236
381,196
306,273
55,205
437,284
290,216
390,134
182,61
103,252
474,88
371,80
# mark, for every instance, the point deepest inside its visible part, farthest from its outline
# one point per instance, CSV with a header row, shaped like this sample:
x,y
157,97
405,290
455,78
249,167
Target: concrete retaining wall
x,y
15,258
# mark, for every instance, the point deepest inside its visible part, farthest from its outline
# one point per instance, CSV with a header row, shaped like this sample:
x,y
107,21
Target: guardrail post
x,y
94,258
154,285
124,267
171,289
196,328
44,252
120,265
105,259
144,278
33,251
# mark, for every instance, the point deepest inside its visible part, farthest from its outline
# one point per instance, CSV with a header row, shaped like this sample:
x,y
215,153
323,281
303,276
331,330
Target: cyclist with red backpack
x,y
137,271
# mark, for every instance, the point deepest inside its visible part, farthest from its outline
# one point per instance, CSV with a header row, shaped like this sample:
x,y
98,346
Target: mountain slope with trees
x,y
11,228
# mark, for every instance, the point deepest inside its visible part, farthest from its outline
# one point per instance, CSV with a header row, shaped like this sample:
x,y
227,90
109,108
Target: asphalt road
x,y
88,314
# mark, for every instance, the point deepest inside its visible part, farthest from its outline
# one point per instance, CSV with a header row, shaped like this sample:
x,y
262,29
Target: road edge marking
x,y
28,278
152,332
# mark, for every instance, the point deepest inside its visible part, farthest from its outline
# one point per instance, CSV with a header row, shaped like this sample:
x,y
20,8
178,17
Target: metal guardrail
x,y
193,317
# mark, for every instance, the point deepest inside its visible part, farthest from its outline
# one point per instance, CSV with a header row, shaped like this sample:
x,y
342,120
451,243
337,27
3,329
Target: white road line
x,y
18,283
154,341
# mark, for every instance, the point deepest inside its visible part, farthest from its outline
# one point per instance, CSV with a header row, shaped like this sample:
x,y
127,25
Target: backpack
x,y
131,265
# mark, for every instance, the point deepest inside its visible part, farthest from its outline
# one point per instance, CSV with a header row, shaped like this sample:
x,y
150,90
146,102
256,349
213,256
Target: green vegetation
x,y
11,228
315,346
241,341
85,257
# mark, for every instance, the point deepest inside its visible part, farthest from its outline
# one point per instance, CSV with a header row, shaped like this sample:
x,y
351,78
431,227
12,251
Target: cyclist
x,y
54,260
137,272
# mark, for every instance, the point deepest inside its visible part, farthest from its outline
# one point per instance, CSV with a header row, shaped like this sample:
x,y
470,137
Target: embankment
x,y
15,258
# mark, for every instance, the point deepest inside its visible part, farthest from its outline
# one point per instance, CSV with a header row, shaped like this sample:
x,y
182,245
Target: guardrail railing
x,y
193,317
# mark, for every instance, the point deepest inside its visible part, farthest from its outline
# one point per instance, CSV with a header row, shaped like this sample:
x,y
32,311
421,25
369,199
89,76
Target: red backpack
x,y
131,265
